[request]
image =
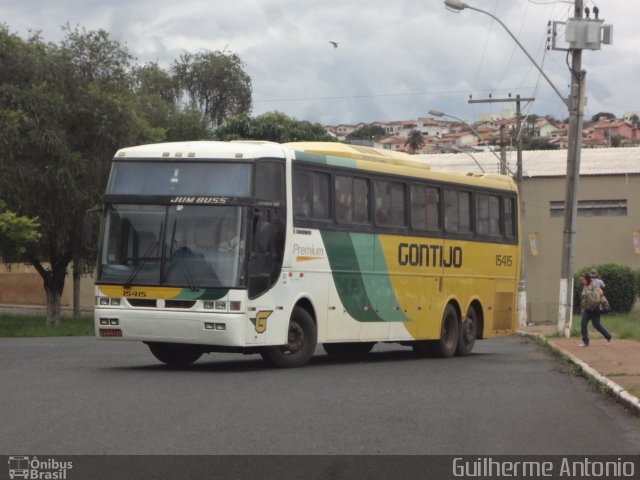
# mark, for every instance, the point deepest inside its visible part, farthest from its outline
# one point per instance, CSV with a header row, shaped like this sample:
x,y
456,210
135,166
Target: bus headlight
x,y
102,301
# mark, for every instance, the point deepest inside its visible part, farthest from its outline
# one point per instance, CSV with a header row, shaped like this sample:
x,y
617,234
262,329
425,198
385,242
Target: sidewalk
x,y
616,366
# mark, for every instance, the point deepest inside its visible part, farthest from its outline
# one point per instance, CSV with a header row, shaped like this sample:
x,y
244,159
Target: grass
x,y
14,325
621,326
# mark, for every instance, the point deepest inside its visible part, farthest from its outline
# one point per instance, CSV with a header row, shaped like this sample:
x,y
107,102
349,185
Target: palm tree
x,y
415,141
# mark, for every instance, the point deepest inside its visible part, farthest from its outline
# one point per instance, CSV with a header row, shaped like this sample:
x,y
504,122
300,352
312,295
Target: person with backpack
x,y
590,299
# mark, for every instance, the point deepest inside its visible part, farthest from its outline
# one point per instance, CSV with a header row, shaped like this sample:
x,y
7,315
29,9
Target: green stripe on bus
x,y
326,159
361,277
379,287
348,277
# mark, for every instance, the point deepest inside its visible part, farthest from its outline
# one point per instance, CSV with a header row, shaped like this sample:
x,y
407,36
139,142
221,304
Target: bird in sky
x,y
335,44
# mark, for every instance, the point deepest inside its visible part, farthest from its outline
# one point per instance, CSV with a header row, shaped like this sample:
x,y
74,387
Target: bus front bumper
x,y
174,327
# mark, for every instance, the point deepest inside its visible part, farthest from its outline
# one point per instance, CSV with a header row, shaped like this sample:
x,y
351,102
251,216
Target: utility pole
x,y
522,285
576,112
503,152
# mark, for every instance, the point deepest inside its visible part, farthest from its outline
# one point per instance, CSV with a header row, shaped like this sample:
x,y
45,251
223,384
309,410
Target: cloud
x,y
395,60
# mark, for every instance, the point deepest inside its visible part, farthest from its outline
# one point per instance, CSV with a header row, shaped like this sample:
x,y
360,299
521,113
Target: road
x,y
511,396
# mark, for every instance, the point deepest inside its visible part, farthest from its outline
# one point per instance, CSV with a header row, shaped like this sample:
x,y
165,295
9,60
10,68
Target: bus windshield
x,y
178,245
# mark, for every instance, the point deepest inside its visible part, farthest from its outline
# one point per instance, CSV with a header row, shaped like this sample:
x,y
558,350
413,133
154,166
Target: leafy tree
x,y
64,110
271,126
214,82
17,233
415,140
634,120
367,132
599,115
537,143
616,140
158,98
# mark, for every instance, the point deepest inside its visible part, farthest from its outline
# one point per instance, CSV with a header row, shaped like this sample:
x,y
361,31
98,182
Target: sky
x,y
395,60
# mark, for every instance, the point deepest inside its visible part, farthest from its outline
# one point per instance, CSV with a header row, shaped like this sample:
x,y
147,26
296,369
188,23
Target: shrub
x,y
621,286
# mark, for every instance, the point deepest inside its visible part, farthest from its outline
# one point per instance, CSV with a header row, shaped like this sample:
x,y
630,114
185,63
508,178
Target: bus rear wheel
x,y
301,342
175,354
468,333
350,350
445,346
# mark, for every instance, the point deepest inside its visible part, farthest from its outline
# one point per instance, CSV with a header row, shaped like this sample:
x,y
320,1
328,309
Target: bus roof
x,y
204,149
390,162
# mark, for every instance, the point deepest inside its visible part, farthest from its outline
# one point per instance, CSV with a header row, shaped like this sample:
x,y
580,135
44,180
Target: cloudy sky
x,y
395,60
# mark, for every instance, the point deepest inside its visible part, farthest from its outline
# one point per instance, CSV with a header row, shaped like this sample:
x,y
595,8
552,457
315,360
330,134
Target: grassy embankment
x,y
621,325
32,325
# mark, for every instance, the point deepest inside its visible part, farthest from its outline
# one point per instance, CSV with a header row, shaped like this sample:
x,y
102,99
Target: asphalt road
x,y
84,396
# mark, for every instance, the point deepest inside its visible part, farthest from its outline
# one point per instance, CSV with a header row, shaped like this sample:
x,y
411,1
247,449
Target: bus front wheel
x,y
468,333
301,342
175,354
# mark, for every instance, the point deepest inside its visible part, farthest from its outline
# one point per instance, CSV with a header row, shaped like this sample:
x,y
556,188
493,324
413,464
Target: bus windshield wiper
x,y
187,275
143,260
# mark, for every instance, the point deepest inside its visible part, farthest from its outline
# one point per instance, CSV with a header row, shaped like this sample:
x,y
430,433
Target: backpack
x,y
592,298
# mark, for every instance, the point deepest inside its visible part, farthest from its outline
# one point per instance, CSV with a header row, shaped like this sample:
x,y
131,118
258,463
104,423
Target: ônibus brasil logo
x,y
33,468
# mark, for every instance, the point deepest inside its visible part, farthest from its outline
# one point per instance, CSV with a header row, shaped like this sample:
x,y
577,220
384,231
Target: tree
x,y
64,111
17,233
158,94
271,126
415,141
537,143
599,115
367,132
634,120
216,83
616,140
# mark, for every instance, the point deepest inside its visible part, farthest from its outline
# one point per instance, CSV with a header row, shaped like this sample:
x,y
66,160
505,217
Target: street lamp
x,y
456,149
457,6
575,104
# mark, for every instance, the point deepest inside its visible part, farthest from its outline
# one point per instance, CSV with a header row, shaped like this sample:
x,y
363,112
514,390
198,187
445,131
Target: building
x,y
608,213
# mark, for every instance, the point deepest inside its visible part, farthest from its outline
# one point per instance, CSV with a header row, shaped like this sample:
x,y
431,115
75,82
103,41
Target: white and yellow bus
x,y
258,247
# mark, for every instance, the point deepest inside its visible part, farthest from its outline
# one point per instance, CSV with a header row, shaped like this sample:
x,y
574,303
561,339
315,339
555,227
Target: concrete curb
x,y
619,392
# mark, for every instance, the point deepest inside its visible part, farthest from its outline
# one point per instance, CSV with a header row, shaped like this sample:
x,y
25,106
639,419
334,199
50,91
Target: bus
x,y
270,249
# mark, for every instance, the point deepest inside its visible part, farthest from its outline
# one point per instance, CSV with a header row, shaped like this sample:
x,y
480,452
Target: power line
x,y
382,95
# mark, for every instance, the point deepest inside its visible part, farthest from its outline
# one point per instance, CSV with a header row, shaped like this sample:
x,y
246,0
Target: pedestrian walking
x,y
589,301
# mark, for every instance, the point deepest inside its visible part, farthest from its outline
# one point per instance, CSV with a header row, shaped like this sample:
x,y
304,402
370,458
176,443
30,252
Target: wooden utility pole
x,y
576,112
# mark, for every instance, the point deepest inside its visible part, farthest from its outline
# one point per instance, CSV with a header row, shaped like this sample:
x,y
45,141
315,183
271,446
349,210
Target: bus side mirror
x,y
91,229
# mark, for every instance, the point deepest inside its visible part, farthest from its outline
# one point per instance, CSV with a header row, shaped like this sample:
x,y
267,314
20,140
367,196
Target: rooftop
x,y
543,163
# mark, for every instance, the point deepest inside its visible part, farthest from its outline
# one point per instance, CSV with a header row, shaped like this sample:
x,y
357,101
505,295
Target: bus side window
x,y
269,180
344,199
302,194
425,208
509,220
361,200
389,203
311,195
457,211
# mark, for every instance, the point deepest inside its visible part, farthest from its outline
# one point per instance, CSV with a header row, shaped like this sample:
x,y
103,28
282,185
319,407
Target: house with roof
x,y
393,142
432,128
604,130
